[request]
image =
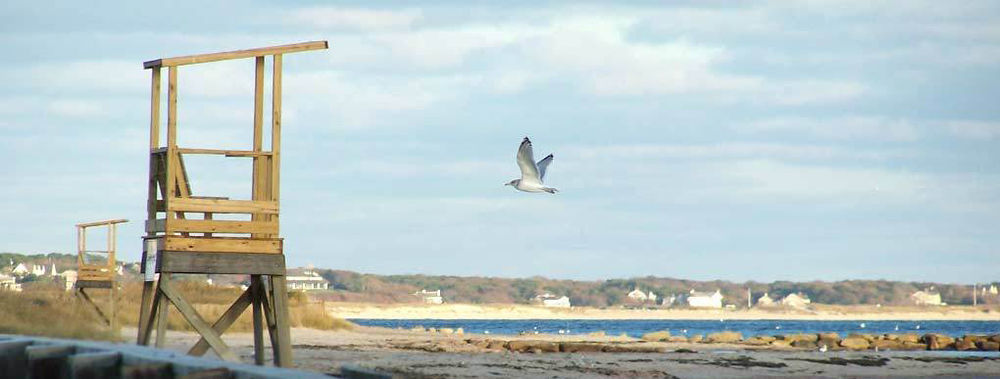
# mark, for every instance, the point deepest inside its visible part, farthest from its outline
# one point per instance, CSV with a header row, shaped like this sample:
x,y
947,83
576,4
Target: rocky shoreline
x,y
659,342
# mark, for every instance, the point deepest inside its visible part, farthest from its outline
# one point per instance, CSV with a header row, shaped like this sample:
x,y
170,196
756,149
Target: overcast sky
x,y
768,141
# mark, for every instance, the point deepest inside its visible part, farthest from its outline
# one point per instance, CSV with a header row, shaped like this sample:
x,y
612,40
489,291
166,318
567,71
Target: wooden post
x,y
258,319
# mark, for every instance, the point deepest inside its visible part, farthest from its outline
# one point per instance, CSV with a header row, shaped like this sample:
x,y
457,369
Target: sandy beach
x,y
420,354
522,312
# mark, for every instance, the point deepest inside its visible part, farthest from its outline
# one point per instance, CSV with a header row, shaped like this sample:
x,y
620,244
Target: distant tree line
x,y
481,290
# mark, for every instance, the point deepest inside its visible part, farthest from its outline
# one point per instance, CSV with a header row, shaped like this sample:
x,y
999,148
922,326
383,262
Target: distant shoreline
x,y
526,312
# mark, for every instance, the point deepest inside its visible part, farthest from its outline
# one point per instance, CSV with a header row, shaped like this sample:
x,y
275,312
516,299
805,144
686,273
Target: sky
x,y
807,140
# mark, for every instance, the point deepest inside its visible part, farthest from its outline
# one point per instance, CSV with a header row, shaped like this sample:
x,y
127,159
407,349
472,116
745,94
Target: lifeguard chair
x,y
184,236
96,269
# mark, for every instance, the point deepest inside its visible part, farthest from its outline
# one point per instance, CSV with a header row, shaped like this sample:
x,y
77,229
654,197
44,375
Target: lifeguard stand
x,y
96,269
184,236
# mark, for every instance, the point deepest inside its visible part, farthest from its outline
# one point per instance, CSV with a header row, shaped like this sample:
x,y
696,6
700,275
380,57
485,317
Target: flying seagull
x,y
532,174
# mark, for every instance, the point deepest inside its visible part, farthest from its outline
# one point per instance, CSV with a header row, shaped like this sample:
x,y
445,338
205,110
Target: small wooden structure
x,y
96,269
183,234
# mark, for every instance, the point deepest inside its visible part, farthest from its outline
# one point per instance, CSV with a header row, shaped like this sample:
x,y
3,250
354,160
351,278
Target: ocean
x,y
636,328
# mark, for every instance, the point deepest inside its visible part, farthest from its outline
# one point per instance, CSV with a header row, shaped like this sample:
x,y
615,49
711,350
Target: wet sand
x,y
434,355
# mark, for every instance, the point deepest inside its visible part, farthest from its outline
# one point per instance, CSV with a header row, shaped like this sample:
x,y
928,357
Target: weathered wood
x,y
221,245
86,298
212,373
214,57
94,284
274,176
148,323
154,110
14,358
255,291
48,361
215,263
221,206
197,322
211,226
265,304
145,304
228,153
224,322
162,313
147,371
98,365
101,223
283,348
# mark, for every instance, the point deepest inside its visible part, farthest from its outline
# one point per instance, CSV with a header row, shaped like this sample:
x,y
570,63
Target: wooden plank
x,y
196,321
95,365
144,308
275,178
148,323
221,206
222,245
14,358
154,111
224,322
268,310
162,313
168,167
258,320
221,226
94,283
100,223
237,54
228,153
228,263
283,348
49,361
147,371
86,298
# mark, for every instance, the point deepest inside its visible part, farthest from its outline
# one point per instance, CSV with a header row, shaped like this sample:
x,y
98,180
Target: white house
x,y
550,300
20,270
796,300
651,297
305,279
637,295
8,283
926,297
698,299
38,270
765,301
430,297
69,278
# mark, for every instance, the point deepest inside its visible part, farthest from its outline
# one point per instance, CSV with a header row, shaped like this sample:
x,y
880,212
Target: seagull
x,y
532,174
822,349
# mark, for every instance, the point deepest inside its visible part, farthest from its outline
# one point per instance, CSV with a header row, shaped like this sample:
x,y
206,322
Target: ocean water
x,y
636,328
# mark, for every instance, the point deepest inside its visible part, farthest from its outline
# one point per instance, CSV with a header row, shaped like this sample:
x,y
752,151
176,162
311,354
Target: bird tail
x,y
550,190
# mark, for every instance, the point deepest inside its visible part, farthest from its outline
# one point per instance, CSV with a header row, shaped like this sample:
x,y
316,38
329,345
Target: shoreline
x,y
527,312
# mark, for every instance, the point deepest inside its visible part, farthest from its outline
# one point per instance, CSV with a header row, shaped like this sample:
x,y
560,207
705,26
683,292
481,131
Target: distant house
x,y
550,300
642,297
8,283
668,300
430,297
698,299
795,300
765,301
926,297
20,270
38,270
305,279
69,278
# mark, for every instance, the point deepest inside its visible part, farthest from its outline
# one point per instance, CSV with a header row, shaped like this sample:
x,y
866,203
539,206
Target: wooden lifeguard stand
x,y
96,269
183,236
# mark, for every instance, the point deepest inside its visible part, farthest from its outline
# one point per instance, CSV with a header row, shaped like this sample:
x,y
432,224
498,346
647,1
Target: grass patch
x,y
57,313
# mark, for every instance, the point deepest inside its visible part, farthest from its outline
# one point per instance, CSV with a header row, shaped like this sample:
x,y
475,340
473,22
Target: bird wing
x,y
543,165
526,161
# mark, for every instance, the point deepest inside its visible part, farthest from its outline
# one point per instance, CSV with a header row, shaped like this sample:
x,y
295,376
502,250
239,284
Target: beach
x,y
411,353
526,312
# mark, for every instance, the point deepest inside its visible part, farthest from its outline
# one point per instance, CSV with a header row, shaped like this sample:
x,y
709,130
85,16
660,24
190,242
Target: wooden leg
x,y
268,310
256,292
147,322
225,321
93,305
144,312
283,349
162,313
114,310
196,321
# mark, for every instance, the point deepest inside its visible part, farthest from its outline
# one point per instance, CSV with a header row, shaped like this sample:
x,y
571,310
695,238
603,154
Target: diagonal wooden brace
x,y
225,321
196,321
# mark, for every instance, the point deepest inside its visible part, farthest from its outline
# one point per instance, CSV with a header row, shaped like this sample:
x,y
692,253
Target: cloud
x,y
359,19
979,130
838,128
